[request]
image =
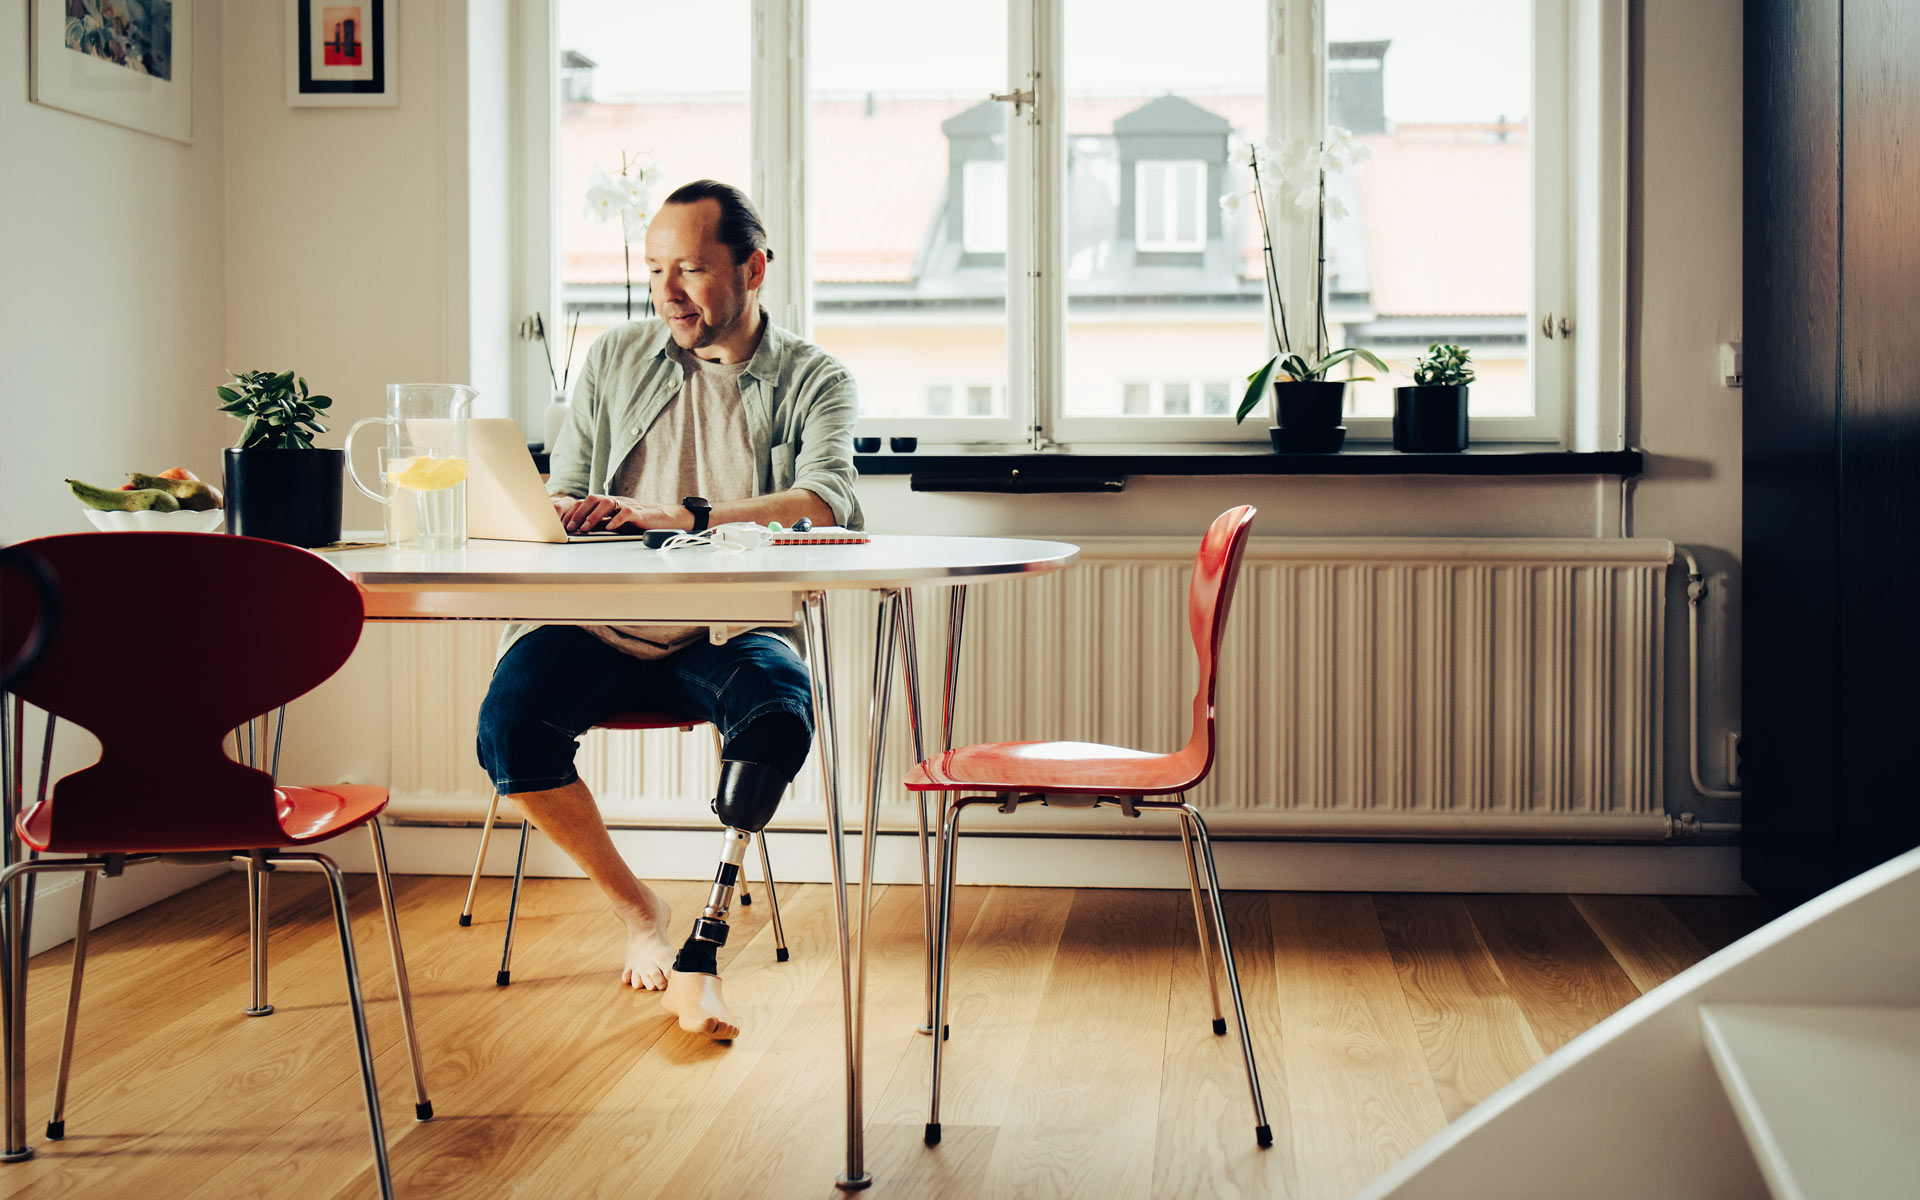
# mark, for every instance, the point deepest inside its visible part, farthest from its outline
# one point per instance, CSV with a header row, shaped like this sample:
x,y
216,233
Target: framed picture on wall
x,y
340,53
127,62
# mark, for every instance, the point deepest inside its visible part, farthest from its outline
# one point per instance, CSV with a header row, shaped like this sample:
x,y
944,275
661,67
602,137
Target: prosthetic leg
x,y
747,797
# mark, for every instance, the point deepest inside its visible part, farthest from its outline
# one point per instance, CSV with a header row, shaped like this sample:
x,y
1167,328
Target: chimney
x,y
1356,85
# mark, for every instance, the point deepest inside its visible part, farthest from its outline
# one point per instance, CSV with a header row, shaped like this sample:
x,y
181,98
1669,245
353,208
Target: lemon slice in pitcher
x,y
426,474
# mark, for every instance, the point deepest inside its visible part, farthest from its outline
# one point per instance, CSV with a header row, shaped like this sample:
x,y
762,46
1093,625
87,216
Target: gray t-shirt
x,y
698,446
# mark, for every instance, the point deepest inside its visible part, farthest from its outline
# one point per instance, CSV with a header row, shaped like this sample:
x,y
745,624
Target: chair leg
x,y
1262,1132
479,860
13,1005
422,1107
773,899
57,1123
505,975
357,1004
257,910
943,942
1200,927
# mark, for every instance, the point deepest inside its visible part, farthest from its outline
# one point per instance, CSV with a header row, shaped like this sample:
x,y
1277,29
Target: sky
x,y
1460,61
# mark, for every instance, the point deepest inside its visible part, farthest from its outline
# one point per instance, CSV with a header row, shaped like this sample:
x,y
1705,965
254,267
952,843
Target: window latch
x,y
1017,99
1549,327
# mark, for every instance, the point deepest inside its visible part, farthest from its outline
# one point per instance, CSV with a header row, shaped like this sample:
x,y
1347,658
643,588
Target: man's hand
x,y
589,513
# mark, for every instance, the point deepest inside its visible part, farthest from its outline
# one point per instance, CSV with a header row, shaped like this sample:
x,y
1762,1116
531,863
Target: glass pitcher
x,y
423,466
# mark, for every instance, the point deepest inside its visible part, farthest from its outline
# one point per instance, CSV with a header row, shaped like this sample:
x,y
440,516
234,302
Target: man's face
x,y
697,287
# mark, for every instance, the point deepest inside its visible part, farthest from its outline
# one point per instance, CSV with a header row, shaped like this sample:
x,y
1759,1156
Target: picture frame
x,y
342,53
125,64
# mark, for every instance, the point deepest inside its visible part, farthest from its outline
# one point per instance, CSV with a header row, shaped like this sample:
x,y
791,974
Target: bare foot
x,y
696,1001
649,955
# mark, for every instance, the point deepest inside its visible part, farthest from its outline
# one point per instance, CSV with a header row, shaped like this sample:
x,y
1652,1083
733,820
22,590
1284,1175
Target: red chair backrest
x,y
166,642
1216,569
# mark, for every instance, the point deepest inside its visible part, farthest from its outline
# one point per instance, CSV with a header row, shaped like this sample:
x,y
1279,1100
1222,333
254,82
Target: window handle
x,y
1548,327
1017,98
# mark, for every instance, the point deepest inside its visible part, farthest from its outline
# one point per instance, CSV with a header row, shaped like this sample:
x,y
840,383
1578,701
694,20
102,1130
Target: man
x,y
704,415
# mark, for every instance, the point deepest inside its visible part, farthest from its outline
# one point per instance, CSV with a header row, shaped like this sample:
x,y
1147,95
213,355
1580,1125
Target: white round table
x,y
624,582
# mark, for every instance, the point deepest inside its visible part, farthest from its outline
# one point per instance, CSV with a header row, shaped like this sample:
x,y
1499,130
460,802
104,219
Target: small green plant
x,y
276,411
1443,365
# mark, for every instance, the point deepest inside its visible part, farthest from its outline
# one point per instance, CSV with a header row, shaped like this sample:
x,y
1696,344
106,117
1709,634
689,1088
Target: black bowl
x,y
904,445
866,445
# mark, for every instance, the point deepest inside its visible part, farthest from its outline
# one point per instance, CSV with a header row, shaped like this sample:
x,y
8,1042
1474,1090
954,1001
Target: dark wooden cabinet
x,y
1831,562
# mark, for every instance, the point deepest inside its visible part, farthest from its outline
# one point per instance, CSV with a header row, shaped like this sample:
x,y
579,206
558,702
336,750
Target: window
x,y
984,207
1175,398
964,399
1058,270
1170,200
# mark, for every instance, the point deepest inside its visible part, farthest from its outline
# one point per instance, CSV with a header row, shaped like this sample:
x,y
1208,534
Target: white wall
x,y
113,305
113,323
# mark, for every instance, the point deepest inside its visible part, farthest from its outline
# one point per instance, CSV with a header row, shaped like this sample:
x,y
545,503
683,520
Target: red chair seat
x,y
1064,768
310,814
306,815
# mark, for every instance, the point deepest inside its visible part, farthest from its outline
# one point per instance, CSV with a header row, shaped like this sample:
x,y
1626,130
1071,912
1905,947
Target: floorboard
x,y
1083,1059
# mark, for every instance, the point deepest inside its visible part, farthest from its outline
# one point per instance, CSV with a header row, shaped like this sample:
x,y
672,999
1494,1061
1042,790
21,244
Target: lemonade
x,y
424,474
438,488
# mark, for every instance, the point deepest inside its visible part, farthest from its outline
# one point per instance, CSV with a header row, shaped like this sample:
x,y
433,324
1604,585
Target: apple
x,y
177,473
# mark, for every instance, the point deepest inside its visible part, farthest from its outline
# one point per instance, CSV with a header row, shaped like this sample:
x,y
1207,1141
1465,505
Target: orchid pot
x,y
1306,414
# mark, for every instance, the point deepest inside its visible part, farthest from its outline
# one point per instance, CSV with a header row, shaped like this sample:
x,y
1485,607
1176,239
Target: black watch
x,y
700,509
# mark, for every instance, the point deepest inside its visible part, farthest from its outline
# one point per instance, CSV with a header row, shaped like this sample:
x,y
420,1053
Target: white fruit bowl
x,y
179,521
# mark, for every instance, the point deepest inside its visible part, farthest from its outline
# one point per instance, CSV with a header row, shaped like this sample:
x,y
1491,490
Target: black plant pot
x,y
1309,416
1430,419
290,496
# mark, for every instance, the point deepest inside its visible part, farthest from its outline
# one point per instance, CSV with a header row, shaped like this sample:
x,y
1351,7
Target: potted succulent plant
x,y
1307,406
1432,414
280,486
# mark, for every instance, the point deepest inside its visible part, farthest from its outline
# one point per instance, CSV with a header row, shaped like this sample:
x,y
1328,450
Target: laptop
x,y
506,501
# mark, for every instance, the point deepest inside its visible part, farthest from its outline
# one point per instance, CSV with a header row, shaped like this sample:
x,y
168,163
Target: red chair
x,y
166,642
1086,774
619,721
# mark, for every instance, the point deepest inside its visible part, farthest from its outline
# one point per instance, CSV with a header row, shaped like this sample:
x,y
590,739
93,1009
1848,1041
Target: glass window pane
x,y
1178,400
1439,244
1142,88
1133,399
940,400
1153,203
685,117
1190,183
1218,400
907,198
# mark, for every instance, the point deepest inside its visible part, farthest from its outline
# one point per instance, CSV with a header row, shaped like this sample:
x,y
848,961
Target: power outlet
x,y
1733,759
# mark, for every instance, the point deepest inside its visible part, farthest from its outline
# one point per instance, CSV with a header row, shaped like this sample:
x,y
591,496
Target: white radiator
x,y
1405,687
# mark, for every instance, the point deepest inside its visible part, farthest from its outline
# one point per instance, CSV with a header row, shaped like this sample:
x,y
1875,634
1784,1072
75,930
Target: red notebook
x,y
821,535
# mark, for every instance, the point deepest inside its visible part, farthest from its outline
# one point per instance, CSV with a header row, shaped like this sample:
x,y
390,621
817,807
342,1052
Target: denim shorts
x,y
559,681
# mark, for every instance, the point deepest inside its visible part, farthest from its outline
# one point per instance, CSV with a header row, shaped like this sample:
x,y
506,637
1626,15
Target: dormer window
x,y
1171,213
985,209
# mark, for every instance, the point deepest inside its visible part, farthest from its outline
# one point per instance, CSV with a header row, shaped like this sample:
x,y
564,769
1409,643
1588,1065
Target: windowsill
x,y
1084,472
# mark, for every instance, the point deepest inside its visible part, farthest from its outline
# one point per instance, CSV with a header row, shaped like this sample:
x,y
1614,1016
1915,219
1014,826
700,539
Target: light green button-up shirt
x,y
800,406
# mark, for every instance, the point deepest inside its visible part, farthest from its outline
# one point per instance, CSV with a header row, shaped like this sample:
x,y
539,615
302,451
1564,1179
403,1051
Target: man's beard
x,y
707,333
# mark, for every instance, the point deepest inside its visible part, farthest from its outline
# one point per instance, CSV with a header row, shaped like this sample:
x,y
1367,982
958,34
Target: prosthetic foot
x,y
748,795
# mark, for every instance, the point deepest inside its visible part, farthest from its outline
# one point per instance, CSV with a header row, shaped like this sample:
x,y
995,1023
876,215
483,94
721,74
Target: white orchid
x,y
628,196
1291,178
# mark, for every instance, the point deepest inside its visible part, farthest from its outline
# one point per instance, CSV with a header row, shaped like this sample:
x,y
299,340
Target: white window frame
x,y
1170,201
1576,135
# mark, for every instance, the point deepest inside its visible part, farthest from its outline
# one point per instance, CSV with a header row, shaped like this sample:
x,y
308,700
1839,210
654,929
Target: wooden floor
x,y
1082,1061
